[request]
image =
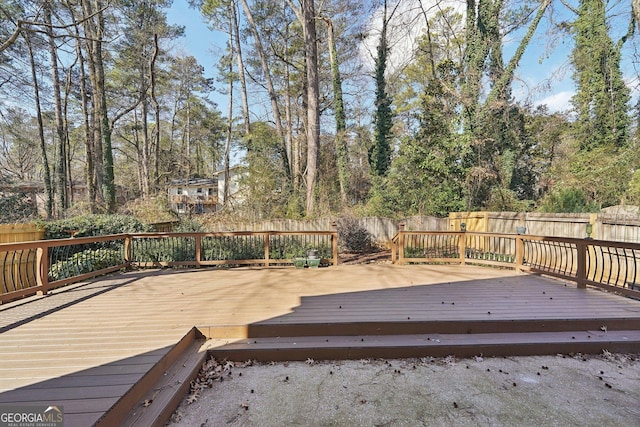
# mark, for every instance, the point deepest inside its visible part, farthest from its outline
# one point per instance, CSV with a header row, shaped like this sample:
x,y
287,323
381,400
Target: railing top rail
x,y
233,233
35,244
59,242
585,241
429,232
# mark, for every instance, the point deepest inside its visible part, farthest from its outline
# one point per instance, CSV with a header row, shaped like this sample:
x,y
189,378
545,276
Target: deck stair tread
x,y
157,405
410,326
419,345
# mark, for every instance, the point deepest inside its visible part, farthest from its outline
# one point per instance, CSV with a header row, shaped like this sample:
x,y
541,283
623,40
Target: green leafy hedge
x,y
164,250
85,262
93,225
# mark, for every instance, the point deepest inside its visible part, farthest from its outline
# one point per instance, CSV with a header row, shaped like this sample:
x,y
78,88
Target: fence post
x,y
581,273
519,253
42,261
267,237
462,247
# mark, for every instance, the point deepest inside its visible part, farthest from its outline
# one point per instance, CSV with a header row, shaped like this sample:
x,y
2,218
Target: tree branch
x,y
22,25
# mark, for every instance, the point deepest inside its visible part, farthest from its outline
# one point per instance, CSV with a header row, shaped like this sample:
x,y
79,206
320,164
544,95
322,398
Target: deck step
x,y
429,345
158,403
164,385
409,326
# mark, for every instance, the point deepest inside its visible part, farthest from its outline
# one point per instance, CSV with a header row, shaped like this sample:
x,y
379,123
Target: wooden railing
x,y
37,267
613,266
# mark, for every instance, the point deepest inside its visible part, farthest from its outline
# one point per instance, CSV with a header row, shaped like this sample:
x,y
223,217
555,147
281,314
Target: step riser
x,y
120,410
410,328
460,351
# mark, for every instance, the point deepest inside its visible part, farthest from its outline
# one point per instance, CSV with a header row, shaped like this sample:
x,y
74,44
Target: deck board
x,y
91,342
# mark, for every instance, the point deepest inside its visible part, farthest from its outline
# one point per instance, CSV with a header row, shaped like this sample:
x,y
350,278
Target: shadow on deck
x,y
128,333
492,317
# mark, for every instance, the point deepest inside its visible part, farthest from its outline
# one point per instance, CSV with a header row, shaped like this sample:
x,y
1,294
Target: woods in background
x,y
380,108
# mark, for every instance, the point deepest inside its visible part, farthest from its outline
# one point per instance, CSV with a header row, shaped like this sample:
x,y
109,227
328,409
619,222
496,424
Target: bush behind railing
x,y
84,262
166,249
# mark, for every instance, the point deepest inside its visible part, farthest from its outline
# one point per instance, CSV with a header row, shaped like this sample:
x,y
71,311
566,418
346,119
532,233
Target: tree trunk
x,y
227,144
43,144
292,148
273,96
88,135
145,159
342,159
313,100
241,74
60,170
67,141
156,109
94,50
108,185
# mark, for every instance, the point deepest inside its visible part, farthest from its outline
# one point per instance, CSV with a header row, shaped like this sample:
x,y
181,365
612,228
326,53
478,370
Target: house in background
x,y
204,195
198,195
235,195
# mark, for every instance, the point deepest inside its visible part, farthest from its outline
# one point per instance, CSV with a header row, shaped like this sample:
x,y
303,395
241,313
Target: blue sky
x,y
544,75
199,40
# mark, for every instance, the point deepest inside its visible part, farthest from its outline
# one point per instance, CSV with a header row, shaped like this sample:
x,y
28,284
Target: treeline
x,y
329,105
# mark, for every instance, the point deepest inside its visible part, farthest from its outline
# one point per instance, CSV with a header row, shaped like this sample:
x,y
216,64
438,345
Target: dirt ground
x,y
563,390
382,256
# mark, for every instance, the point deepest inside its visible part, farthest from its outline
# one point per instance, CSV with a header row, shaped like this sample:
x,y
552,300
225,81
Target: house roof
x,y
194,182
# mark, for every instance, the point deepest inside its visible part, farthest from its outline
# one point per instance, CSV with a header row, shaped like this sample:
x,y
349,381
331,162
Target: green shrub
x,y
164,250
93,225
189,226
232,248
85,262
567,200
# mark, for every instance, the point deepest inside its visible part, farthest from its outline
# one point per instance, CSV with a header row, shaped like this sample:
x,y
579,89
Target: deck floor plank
x,y
91,342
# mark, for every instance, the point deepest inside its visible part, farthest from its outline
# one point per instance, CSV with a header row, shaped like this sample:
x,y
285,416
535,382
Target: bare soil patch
x,y
378,257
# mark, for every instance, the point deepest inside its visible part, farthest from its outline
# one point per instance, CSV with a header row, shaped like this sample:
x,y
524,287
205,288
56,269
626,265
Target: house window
x,y
199,190
211,193
179,190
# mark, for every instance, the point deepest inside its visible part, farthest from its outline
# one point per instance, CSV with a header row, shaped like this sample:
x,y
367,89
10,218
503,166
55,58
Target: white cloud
x,y
558,102
405,26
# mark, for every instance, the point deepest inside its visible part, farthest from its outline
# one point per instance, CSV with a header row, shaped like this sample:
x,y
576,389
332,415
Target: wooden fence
x,y
10,233
604,226
382,229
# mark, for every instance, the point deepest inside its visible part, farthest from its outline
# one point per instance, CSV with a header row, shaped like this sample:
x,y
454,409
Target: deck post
x,y
393,251
267,236
581,273
42,261
519,253
127,250
198,250
462,247
401,247
334,245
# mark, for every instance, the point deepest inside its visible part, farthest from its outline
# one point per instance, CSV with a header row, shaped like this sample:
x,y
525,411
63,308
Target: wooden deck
x,y
87,347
